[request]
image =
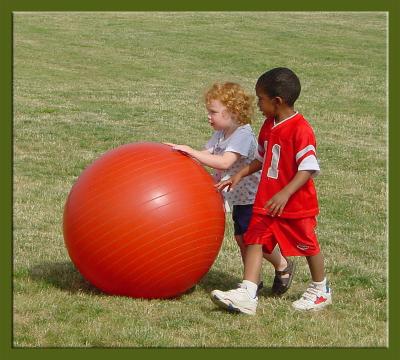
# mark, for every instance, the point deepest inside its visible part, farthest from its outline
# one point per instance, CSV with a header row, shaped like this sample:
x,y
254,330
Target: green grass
x,y
87,82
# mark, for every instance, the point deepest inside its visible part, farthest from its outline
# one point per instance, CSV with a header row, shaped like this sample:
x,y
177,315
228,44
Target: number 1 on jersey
x,y
273,171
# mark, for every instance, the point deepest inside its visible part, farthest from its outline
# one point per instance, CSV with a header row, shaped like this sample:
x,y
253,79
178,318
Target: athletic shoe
x,y
314,299
259,287
237,300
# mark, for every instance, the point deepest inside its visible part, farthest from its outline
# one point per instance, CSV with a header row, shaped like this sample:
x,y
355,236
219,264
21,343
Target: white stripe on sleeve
x,y
310,163
306,149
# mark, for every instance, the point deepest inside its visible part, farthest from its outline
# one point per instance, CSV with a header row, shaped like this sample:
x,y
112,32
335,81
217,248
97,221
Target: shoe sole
x,y
230,307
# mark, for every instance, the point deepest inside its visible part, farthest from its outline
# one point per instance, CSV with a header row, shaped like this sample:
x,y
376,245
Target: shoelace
x,y
311,294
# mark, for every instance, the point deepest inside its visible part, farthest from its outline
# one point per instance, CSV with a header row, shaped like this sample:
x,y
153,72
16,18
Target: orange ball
x,y
144,221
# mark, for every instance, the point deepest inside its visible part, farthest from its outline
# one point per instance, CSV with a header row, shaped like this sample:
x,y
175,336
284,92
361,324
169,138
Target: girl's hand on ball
x,y
182,148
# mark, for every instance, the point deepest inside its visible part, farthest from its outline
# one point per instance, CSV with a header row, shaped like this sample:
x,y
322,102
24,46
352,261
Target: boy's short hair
x,y
234,98
281,82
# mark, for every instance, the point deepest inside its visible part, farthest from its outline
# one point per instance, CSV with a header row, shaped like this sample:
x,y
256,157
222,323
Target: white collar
x,y
288,118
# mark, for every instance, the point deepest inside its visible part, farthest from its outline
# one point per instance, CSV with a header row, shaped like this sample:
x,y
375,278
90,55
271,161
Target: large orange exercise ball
x,y
144,221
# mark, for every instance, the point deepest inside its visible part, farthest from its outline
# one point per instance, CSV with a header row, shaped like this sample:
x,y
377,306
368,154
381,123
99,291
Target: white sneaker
x,y
314,299
237,300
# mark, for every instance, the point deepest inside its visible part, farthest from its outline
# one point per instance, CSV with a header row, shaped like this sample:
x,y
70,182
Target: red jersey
x,y
284,149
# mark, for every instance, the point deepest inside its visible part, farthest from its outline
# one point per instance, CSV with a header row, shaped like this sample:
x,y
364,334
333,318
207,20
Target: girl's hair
x,y
234,98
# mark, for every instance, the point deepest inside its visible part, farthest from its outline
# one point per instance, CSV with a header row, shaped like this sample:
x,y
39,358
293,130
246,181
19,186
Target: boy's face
x,y
218,116
266,104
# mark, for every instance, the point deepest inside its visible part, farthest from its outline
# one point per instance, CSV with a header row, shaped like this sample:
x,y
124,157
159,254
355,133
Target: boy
x,y
286,202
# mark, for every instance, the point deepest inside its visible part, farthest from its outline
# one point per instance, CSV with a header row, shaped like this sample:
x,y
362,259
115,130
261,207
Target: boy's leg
x,y
284,272
278,261
297,237
316,265
318,294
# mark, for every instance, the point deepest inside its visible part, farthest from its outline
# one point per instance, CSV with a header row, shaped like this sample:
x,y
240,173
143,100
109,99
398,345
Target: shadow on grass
x,y
62,275
216,279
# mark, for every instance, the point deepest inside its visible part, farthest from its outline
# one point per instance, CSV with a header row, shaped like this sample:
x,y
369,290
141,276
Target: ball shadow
x,y
64,276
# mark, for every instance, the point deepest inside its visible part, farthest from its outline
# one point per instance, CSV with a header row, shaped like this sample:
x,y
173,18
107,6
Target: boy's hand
x,y
277,203
230,183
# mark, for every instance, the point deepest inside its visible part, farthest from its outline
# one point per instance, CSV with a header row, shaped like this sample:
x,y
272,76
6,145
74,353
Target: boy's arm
x,y
277,203
253,167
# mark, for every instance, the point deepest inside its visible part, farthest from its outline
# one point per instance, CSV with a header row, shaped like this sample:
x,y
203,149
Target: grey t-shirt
x,y
244,143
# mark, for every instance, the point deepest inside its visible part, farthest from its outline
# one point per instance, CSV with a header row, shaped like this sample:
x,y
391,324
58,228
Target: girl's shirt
x,y
244,143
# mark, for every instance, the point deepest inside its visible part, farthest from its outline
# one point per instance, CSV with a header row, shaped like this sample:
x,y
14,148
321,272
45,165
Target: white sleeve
x,y
241,142
310,163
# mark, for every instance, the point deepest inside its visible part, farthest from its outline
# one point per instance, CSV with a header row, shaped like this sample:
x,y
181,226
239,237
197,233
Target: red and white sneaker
x,y
314,299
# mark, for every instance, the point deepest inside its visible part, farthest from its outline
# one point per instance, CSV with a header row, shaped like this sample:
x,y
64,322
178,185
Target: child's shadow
x,y
216,279
62,275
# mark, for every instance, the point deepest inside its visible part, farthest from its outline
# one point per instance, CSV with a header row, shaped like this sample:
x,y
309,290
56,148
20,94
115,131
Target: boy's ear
x,y
279,100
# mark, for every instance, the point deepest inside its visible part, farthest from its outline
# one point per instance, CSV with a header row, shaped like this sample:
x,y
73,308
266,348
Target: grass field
x,y
88,82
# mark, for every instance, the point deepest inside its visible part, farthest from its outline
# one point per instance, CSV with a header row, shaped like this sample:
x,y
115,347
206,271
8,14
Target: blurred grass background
x,y
84,83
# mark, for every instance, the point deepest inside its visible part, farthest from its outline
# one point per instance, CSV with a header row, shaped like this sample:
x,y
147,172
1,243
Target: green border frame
x,y
6,179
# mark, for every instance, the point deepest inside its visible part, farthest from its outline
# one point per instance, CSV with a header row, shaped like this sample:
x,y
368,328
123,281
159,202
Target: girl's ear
x,y
235,119
226,113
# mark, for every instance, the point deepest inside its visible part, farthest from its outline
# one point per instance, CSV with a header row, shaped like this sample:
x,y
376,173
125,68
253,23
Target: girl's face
x,y
218,116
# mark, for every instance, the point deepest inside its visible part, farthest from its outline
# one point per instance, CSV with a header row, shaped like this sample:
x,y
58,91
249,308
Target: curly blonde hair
x,y
234,98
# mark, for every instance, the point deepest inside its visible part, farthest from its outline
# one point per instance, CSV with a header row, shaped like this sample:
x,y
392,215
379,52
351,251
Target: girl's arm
x,y
220,162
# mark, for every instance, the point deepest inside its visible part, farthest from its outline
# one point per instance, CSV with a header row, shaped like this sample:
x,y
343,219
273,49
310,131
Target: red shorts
x,y
296,237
